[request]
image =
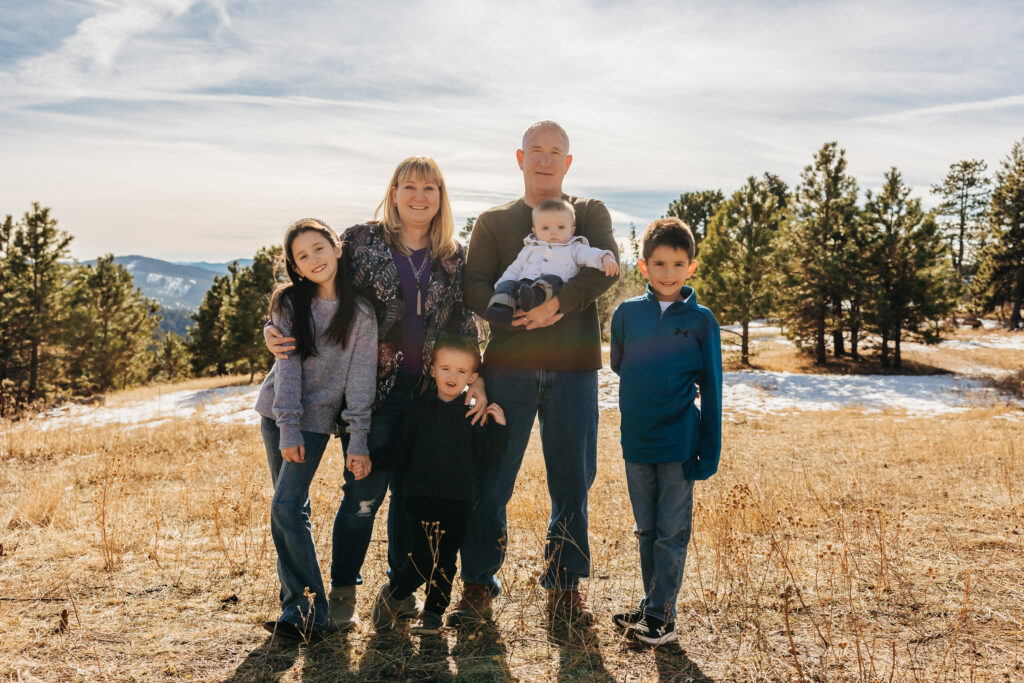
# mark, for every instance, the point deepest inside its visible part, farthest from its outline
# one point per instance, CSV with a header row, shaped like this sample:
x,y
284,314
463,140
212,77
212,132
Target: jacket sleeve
x,y
710,447
399,451
489,442
582,290
482,267
287,385
618,338
361,382
585,255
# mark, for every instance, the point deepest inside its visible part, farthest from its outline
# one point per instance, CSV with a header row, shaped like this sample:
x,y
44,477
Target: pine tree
x,y
818,252
109,325
737,275
466,230
246,309
171,358
206,338
696,210
41,247
965,197
1000,278
13,302
907,266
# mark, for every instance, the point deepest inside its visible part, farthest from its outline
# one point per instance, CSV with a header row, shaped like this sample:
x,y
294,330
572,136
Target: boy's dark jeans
x,y
438,527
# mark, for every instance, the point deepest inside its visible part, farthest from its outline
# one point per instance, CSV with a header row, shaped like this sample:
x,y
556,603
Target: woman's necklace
x,y
417,274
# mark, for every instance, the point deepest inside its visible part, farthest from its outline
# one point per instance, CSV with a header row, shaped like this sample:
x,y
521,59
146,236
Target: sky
x,y
199,129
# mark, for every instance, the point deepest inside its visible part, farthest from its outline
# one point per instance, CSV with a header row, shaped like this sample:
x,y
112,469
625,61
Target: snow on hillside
x,y
754,392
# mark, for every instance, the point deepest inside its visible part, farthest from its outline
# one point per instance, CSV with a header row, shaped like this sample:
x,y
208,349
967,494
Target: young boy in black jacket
x,y
440,450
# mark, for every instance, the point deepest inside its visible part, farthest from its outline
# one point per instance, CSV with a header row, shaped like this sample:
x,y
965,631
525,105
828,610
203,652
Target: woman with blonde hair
x,y
407,263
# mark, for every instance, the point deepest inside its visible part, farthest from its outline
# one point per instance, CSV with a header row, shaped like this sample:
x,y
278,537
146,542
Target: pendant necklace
x,y
417,273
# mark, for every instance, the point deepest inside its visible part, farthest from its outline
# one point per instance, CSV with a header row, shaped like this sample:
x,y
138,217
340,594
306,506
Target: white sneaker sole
x,y
669,637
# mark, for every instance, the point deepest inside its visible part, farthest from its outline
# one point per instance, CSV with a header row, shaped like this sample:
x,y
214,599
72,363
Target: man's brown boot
x,y
474,607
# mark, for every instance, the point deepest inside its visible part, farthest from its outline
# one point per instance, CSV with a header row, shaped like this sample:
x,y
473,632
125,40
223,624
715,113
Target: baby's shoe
x,y
499,314
341,608
527,297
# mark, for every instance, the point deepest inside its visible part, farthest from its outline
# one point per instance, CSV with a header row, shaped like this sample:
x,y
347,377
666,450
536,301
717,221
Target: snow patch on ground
x,y
759,392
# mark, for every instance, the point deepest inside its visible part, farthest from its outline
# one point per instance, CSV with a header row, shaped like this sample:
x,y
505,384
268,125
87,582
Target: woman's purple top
x,y
414,329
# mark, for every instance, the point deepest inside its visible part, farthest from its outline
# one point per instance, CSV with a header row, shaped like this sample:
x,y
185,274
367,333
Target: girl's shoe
x,y
289,631
653,631
429,623
341,608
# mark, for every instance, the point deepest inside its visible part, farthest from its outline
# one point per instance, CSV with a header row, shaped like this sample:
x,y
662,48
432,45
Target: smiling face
x,y
667,269
316,259
554,226
544,160
452,369
418,200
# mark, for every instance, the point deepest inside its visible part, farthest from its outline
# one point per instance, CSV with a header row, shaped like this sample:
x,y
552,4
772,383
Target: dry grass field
x,y
835,546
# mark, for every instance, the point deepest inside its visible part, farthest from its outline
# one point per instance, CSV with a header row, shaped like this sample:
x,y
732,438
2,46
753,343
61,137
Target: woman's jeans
x,y
297,565
353,525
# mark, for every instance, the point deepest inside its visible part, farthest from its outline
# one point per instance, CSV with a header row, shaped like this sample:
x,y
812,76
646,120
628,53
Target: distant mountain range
x,y
178,287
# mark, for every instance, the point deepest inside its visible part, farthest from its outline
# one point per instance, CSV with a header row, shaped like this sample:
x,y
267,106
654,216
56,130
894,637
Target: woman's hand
x,y
278,345
294,454
358,465
541,316
475,392
495,411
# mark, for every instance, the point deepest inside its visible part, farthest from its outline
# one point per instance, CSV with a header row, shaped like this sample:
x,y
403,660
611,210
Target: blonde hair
x,y
442,227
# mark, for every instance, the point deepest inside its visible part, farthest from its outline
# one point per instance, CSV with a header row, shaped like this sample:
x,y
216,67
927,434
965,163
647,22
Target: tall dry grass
x,y
833,547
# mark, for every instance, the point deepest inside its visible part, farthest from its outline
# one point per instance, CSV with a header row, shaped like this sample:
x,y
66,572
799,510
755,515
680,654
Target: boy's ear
x,y
692,268
472,377
642,264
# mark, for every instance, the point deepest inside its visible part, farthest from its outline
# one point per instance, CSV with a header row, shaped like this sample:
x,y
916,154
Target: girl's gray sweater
x,y
307,394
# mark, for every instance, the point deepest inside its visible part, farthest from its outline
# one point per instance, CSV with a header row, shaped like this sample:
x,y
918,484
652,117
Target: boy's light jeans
x,y
297,564
662,500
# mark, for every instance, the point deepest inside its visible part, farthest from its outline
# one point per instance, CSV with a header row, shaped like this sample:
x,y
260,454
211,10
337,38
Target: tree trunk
x,y
885,347
838,346
744,344
897,358
1018,298
819,344
854,330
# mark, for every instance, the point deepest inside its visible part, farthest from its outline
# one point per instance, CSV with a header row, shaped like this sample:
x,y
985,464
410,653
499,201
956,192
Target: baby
x,y
551,255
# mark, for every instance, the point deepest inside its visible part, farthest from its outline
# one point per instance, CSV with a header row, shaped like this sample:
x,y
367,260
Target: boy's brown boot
x,y
341,608
474,607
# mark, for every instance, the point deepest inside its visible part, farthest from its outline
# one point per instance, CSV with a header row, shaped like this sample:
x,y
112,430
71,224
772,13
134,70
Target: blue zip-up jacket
x,y
661,360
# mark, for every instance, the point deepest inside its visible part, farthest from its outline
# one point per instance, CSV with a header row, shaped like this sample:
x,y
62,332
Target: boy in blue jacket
x,y
664,346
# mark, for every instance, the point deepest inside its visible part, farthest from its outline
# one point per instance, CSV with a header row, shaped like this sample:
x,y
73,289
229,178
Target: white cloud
x,y
214,124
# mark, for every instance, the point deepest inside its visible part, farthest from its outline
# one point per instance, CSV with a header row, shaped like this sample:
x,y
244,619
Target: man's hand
x,y
294,454
278,345
542,316
475,392
358,465
495,411
610,267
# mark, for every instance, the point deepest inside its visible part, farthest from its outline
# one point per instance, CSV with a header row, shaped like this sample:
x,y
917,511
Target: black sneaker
x,y
289,631
626,619
653,631
429,623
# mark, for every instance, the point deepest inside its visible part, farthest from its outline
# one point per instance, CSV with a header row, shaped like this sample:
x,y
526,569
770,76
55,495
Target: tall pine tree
x,y
109,325
965,195
907,268
39,270
818,251
246,308
1000,278
13,313
206,338
696,210
737,264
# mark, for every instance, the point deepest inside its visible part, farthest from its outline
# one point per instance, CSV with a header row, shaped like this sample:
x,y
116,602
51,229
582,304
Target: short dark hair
x,y
554,204
458,342
670,232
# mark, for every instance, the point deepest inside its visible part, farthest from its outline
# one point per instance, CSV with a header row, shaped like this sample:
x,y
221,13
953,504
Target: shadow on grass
x,y
387,656
674,665
329,661
268,662
480,653
579,651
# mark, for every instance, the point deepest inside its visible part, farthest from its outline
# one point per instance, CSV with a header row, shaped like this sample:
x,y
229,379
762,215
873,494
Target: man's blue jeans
x,y
353,525
662,500
566,403
297,565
